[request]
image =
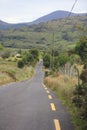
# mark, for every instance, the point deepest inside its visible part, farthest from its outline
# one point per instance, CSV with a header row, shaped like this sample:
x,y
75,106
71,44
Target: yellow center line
x,y
53,107
43,85
49,96
47,91
45,88
57,124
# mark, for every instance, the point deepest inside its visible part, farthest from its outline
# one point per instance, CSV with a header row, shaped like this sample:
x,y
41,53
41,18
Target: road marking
x,y
45,88
43,85
57,124
47,91
53,107
49,96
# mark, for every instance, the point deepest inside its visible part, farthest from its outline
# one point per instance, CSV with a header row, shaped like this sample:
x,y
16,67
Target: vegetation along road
x,y
29,105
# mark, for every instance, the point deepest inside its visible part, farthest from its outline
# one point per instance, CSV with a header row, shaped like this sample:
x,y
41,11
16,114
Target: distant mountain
x,y
4,25
52,16
66,34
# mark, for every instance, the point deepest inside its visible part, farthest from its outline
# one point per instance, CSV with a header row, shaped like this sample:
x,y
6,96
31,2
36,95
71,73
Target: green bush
x,y
80,99
46,60
20,64
81,48
61,60
35,53
30,58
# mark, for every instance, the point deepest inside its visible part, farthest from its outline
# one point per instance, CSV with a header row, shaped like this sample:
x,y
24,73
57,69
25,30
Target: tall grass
x,y
62,84
9,72
64,87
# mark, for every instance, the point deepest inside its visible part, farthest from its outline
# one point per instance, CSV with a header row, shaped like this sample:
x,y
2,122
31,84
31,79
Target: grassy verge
x,y
9,72
64,87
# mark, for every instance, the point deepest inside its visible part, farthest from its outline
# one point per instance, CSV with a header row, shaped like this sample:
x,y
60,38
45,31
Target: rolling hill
x,y
52,16
4,25
66,34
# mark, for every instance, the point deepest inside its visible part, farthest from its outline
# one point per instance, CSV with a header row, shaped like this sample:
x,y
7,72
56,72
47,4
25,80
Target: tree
x,y
35,53
81,48
20,63
46,60
61,60
80,93
27,58
30,58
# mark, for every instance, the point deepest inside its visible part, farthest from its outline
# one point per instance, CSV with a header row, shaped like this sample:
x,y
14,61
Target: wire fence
x,y
71,71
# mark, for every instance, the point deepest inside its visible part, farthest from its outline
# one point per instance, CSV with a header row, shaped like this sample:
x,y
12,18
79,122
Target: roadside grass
x,y
9,72
64,87
63,84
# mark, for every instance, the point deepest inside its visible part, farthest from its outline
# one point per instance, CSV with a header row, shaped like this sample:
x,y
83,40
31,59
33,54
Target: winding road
x,y
30,105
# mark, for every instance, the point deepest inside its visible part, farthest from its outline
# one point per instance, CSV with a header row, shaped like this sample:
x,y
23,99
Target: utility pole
x,y
52,53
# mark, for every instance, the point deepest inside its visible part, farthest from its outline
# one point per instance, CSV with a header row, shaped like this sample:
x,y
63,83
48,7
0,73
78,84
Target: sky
x,y
18,11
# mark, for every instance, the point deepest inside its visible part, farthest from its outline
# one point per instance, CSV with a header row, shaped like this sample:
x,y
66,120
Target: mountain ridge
x,y
66,33
59,14
52,16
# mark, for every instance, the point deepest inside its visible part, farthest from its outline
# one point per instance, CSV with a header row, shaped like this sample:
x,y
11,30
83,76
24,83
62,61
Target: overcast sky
x,y
16,11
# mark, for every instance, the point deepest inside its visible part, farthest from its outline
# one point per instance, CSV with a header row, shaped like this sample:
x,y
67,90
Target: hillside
x,y
4,25
66,34
52,16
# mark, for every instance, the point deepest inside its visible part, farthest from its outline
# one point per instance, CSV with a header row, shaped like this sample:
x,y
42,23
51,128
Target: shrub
x,y
83,76
30,58
35,53
80,99
20,64
46,60
60,60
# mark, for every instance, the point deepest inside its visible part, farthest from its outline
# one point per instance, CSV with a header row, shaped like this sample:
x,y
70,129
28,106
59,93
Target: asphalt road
x,y
29,105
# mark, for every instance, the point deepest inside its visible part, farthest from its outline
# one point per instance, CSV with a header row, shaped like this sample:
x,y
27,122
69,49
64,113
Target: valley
x,y
66,34
62,44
